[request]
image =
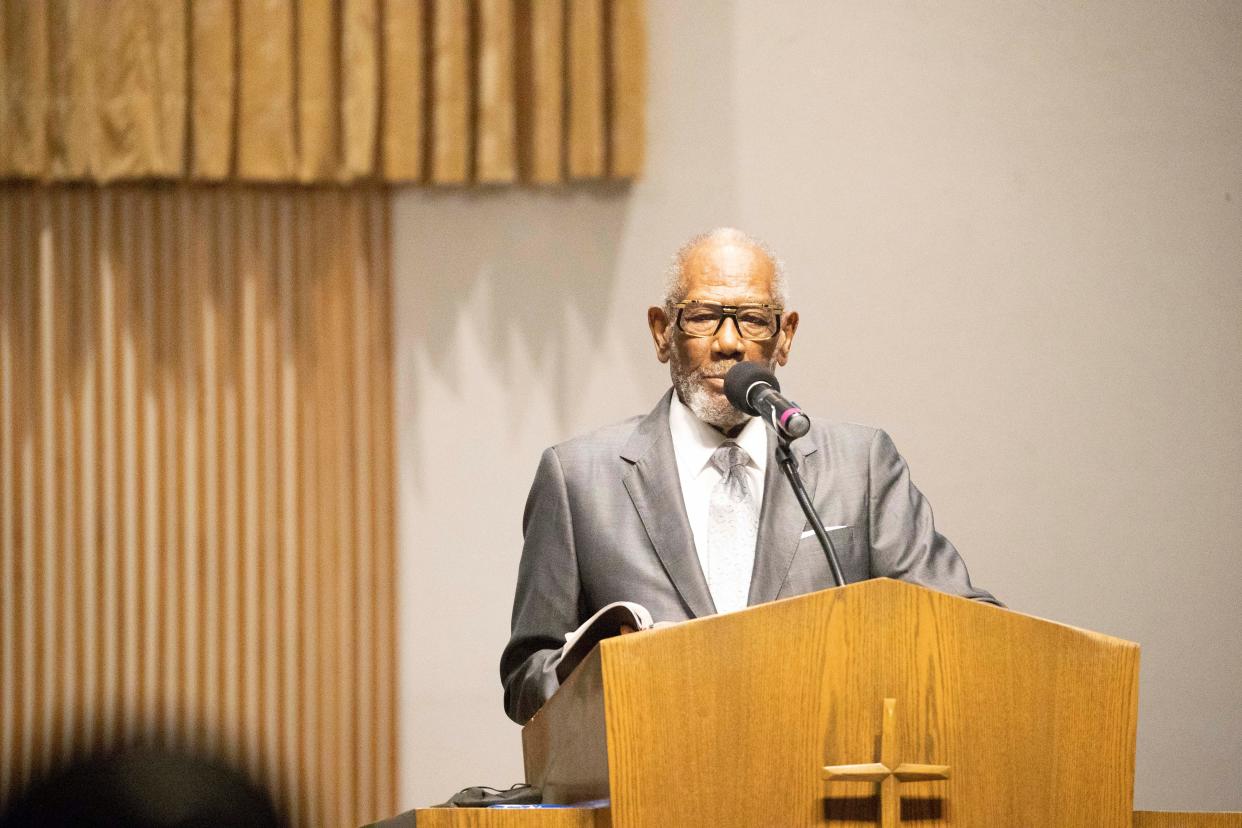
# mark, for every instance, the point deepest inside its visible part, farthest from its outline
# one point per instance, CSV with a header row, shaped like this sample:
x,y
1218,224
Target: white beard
x,y
713,409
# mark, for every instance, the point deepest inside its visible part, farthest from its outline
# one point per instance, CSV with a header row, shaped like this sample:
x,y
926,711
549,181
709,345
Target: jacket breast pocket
x,y
810,571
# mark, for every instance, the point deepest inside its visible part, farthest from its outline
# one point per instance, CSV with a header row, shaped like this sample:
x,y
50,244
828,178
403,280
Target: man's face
x,y
727,272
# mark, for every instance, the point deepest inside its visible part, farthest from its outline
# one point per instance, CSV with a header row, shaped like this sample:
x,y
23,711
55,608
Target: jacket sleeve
x,y
546,602
903,538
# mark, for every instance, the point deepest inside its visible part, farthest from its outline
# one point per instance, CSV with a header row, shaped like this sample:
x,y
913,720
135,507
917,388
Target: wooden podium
x,y
876,703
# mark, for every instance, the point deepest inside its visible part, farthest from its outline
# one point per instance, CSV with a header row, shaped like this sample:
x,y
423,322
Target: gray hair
x,y
673,275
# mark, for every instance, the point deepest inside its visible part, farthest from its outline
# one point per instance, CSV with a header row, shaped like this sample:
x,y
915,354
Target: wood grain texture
x,y
196,542
485,818
1187,819
1025,712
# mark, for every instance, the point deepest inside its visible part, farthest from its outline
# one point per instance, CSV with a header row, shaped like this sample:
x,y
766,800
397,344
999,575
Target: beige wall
x,y
1015,237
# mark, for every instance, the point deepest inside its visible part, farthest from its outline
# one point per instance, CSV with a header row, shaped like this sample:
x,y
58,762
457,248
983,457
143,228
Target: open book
x,y
604,624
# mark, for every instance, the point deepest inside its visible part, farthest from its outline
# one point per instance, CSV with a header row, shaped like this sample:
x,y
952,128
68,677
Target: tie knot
x,y
728,456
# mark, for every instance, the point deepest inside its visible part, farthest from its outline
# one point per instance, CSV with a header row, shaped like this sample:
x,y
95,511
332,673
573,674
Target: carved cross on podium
x,y
887,771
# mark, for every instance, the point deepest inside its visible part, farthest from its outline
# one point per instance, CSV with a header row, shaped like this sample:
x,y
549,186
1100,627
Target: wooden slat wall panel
x,y
323,91
25,70
360,100
495,156
627,88
318,125
266,130
212,89
170,86
196,542
541,72
450,92
71,25
586,89
130,89
404,98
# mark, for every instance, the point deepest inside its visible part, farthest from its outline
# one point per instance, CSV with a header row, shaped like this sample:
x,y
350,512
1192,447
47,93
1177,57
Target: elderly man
x,y
684,510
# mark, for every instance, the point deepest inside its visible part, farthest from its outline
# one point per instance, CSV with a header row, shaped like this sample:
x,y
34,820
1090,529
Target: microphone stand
x,y
790,466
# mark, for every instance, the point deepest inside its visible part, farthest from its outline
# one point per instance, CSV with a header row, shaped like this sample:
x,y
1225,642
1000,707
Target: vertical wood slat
x,y
285,407
541,66
173,461
31,626
384,506
107,674
195,528
627,69
306,315
208,265
270,596
70,449
150,560
49,565
404,128
362,449
140,55
250,268
72,129
266,149
191,540
6,158
450,100
360,87
586,147
495,154
170,86
213,87
82,287
318,124
8,497
23,145
129,444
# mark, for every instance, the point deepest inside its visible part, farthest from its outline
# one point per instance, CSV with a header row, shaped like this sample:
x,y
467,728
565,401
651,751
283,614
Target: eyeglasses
x,y
754,322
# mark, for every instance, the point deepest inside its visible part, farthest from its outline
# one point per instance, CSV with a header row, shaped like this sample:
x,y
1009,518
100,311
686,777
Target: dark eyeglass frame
x,y
728,312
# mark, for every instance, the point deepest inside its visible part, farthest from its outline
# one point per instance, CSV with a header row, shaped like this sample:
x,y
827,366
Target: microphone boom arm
x,y
790,467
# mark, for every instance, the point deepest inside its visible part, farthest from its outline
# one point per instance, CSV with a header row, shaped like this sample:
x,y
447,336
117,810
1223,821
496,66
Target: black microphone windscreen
x,y
740,378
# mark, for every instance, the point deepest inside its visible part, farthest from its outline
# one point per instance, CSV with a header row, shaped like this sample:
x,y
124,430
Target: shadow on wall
x,y
518,270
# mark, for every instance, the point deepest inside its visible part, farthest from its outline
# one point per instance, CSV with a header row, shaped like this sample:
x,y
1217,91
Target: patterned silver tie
x,y
732,526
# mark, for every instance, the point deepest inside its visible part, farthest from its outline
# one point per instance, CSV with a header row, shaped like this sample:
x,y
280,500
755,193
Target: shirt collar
x,y
694,441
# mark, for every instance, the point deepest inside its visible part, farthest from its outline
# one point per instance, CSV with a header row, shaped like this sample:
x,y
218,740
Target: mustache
x,y
714,371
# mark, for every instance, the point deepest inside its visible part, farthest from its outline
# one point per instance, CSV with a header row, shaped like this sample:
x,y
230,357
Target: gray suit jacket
x,y
605,521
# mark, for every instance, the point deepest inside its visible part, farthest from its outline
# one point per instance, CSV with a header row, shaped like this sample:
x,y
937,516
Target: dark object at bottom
x,y
142,789
483,797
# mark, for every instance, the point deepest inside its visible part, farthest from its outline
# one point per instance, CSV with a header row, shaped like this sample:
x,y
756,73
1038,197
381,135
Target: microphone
x,y
753,390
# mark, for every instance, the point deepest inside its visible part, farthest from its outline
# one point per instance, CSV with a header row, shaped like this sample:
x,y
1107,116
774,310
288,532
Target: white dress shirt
x,y
693,445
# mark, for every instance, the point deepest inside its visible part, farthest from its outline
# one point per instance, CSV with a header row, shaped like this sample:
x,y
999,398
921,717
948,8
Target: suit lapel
x,y
780,523
655,489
